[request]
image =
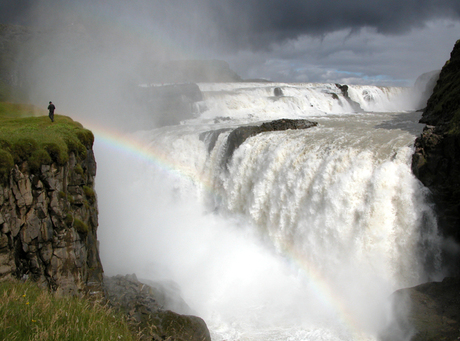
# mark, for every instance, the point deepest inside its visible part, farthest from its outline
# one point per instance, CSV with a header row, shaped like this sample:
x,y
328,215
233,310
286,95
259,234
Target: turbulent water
x,y
302,235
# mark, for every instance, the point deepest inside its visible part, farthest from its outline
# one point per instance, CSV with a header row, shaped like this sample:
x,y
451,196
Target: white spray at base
x,y
303,236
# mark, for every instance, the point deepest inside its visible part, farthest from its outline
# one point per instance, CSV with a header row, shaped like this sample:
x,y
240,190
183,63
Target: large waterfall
x,y
301,235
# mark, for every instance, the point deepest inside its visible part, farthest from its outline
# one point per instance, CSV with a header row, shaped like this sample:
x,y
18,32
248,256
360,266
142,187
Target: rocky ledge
x,y
241,134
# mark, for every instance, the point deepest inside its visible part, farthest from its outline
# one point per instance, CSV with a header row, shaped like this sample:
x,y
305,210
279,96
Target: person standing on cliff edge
x,y
51,108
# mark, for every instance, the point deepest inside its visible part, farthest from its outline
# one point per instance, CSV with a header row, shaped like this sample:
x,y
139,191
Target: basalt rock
x,y
48,223
278,92
241,134
436,160
355,105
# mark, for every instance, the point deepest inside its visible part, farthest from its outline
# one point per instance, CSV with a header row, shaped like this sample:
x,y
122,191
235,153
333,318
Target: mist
x,y
153,224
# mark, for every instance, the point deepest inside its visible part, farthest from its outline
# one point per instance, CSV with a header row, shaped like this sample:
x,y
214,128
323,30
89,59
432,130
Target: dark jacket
x,y
51,107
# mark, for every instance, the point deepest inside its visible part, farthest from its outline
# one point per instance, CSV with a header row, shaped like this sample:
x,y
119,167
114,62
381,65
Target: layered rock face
x,y
436,160
48,223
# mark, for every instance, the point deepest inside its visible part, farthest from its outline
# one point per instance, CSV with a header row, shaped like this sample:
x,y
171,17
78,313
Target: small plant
x,y
89,193
68,220
78,169
6,163
80,226
38,158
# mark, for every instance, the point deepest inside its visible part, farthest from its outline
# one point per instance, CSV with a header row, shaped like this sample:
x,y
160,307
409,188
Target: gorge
x,y
304,234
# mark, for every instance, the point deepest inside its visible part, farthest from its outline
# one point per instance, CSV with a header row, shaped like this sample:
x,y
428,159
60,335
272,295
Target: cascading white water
x,y
303,235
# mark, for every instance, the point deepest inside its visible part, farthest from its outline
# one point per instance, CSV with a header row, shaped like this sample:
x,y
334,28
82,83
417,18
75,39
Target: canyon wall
x,y
48,223
436,161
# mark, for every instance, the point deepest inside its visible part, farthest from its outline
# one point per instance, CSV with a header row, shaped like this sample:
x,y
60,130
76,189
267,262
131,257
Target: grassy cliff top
x,y
29,138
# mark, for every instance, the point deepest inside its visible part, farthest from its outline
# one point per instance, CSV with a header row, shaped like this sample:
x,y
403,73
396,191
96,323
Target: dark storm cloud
x,y
249,23
261,22
290,40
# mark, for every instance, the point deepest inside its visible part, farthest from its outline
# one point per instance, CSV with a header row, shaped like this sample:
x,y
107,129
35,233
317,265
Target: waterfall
x,y
303,235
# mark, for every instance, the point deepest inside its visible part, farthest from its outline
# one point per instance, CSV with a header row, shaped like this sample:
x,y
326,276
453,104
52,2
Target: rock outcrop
x,y
48,225
355,105
436,161
240,134
148,308
278,92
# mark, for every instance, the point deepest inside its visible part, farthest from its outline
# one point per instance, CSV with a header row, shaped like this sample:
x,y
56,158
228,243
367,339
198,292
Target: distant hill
x,y
192,71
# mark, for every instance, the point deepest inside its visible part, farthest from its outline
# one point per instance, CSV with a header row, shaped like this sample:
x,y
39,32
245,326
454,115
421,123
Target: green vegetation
x,y
443,106
78,169
80,226
28,135
90,194
30,313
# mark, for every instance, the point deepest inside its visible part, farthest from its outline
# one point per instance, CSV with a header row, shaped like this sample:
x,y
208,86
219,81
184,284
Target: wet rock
x,y
278,92
355,105
240,134
428,312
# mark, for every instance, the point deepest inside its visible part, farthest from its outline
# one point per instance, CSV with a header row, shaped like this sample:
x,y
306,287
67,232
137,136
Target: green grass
x,y
28,135
30,313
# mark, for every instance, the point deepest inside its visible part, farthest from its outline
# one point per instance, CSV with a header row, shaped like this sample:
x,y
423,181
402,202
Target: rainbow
x,y
327,293
130,146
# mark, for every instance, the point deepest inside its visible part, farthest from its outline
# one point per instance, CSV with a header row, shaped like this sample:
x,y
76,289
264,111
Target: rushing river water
x,y
303,235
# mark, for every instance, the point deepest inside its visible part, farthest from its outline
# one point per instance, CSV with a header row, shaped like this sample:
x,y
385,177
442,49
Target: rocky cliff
x,y
48,222
436,160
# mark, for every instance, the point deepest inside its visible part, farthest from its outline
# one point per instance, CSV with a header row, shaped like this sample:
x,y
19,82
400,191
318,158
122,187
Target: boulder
x,y
146,307
278,92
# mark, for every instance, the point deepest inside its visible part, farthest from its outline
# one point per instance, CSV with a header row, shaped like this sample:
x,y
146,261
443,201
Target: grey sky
x,y
383,42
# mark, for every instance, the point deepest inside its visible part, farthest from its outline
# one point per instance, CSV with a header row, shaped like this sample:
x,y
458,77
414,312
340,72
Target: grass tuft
x,y
80,226
90,194
30,313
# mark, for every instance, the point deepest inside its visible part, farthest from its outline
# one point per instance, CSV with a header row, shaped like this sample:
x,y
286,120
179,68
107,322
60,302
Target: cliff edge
x,y
48,206
436,161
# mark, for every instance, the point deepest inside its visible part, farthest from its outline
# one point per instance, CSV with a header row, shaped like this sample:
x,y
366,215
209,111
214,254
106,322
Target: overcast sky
x,y
382,42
